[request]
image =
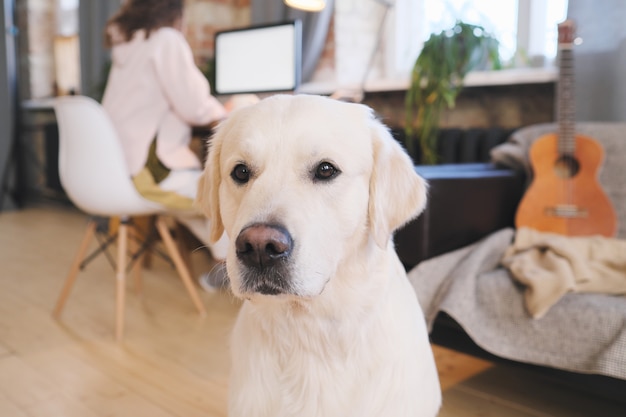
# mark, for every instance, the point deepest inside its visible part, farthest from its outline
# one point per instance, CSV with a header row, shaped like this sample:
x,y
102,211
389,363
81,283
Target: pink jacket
x,y
155,89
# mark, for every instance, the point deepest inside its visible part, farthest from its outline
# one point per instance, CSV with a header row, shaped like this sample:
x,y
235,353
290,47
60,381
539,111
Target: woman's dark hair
x,y
149,15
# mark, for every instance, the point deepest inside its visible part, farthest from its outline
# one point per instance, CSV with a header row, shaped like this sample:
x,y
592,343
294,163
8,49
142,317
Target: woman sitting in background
x,y
155,93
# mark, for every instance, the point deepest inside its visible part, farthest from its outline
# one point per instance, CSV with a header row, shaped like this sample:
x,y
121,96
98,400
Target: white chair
x,y
93,173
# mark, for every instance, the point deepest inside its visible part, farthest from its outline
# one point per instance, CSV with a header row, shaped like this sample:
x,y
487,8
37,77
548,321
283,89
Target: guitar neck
x,y
565,196
565,97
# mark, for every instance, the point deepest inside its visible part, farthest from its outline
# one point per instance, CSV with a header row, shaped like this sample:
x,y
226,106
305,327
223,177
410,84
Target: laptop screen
x,y
258,59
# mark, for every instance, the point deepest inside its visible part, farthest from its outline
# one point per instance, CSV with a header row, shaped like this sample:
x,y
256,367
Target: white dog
x,y
310,190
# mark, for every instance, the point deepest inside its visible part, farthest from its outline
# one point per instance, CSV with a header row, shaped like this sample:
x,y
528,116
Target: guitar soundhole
x,y
566,166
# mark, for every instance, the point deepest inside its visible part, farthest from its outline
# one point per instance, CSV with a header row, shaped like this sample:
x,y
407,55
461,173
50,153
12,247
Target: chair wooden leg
x,y
120,280
182,269
183,237
137,266
71,277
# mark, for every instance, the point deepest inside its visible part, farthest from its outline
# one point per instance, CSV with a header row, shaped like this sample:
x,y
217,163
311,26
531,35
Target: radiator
x,y
463,145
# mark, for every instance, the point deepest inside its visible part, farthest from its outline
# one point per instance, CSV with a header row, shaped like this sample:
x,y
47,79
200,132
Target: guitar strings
x,y
566,128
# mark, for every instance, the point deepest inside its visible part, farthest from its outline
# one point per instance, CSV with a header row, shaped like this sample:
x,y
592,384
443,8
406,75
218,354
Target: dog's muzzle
x,y
264,251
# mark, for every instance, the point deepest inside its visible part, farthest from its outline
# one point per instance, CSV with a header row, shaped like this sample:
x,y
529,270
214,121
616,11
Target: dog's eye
x,y
326,171
241,174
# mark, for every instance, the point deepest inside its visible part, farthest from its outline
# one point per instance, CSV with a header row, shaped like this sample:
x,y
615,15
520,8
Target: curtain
x,y
94,57
9,110
314,27
600,61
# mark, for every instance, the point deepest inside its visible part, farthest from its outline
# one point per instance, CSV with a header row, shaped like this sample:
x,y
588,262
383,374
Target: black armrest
x,y
466,202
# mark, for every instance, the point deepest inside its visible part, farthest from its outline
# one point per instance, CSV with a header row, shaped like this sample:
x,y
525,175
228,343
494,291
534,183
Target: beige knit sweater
x,y
551,265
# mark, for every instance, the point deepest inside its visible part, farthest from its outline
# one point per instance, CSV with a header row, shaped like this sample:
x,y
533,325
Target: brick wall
x,y
503,106
205,17
37,23
356,25
348,46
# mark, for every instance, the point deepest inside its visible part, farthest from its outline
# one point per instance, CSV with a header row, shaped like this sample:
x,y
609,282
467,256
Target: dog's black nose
x,y
263,245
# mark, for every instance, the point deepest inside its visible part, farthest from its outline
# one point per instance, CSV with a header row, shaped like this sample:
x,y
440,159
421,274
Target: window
x,y
526,29
67,17
496,16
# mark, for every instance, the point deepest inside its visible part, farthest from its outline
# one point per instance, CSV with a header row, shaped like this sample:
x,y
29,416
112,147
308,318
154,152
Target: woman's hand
x,y
238,101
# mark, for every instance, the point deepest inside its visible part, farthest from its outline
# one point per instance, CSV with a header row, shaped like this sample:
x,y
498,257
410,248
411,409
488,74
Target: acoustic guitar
x,y
565,196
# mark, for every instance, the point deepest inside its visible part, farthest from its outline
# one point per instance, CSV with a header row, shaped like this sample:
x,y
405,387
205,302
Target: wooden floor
x,y
172,362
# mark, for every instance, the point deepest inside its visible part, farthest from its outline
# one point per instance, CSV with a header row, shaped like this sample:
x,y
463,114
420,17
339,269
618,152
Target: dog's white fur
x,y
349,338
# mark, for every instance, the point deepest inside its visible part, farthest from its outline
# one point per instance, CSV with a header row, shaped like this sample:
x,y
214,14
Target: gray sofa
x,y
471,302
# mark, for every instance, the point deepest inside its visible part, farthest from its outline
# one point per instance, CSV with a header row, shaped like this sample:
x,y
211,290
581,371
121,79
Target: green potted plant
x,y
437,78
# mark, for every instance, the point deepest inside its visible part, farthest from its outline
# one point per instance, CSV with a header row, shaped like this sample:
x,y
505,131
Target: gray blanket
x,y
582,332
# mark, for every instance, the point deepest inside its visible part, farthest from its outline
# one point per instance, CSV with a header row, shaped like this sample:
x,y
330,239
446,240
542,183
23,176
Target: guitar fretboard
x,y
565,93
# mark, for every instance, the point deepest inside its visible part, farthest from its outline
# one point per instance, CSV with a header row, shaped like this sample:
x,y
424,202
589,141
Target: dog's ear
x,y
208,198
397,192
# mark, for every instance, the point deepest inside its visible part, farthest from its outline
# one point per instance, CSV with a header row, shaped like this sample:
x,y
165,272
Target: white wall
x,y
600,61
